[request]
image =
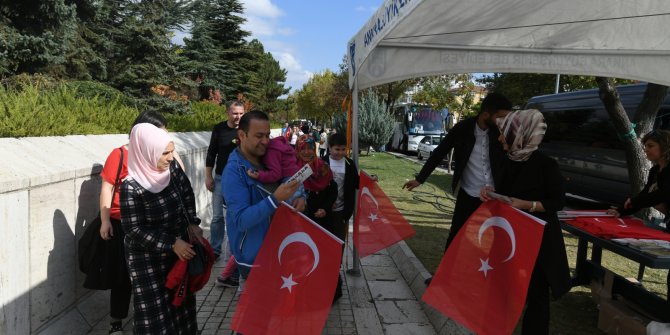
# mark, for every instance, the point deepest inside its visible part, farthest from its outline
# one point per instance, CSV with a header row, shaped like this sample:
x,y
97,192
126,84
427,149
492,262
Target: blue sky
x,y
306,37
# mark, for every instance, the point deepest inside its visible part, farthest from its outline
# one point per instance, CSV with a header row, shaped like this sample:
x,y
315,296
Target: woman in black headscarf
x,y
534,184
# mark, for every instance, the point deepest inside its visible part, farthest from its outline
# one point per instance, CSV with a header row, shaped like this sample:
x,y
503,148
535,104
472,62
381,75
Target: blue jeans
x,y
218,226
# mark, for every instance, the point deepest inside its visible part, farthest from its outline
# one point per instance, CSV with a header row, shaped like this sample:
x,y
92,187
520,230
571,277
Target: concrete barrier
x,y
49,189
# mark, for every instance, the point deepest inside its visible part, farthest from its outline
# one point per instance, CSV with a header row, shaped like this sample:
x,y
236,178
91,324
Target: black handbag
x,y
97,257
202,260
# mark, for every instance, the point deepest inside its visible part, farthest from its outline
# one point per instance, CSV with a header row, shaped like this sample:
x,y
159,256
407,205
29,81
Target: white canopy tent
x,y
414,38
612,38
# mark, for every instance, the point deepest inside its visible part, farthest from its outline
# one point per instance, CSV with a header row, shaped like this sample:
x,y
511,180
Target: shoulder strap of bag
x,y
118,171
181,200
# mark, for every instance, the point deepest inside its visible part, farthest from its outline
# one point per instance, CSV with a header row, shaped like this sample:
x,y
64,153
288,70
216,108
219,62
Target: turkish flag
x,y
292,283
483,277
378,224
611,227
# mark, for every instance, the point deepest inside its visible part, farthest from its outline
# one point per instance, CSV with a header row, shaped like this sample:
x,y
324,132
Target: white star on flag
x,y
485,266
288,282
373,217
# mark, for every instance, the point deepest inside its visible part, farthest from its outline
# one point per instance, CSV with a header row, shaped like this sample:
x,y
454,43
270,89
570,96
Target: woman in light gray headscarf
x,y
534,184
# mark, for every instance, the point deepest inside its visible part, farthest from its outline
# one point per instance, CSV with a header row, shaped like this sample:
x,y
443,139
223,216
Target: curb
x,y
415,274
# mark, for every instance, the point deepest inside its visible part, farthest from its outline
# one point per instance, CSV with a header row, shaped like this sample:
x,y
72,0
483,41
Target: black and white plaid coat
x,y
152,222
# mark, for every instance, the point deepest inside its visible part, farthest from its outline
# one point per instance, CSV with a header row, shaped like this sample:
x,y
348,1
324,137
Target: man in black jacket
x,y
222,143
477,153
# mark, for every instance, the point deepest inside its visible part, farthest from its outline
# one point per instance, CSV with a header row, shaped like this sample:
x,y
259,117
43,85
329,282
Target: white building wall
x,y
49,188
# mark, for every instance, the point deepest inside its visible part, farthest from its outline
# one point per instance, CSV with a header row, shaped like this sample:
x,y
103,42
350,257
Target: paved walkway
x,y
377,302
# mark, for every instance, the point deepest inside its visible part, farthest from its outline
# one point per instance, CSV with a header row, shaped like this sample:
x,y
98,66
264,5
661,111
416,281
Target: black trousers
x,y
465,206
339,228
119,302
119,295
536,318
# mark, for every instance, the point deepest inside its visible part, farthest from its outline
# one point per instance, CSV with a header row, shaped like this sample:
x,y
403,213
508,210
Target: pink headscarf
x,y
147,144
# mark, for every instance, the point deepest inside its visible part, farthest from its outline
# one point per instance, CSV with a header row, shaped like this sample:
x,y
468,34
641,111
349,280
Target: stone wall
x,y
49,188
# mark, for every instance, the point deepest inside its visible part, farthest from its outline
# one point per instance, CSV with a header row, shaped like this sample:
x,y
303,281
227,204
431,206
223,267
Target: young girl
x,y
320,187
280,162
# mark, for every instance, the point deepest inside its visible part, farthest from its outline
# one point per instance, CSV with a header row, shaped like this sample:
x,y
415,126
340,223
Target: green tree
x,y
375,124
318,98
35,35
519,87
84,59
452,91
202,55
225,20
390,93
144,56
268,79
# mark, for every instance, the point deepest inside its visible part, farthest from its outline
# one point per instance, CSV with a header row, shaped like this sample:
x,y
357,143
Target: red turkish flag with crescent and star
x,y
292,283
483,278
378,224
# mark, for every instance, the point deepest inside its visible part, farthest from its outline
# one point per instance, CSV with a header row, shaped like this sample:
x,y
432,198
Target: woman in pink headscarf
x,y
535,185
157,203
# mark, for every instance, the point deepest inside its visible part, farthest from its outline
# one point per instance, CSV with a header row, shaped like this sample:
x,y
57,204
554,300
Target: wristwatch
x,y
533,206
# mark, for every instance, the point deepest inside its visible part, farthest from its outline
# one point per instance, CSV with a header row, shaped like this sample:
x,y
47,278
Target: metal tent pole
x,y
355,270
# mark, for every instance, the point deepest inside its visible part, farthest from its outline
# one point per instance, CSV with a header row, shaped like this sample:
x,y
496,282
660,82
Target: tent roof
x,y
413,38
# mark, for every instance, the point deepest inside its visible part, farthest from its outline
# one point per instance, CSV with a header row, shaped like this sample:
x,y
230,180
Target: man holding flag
x,y
249,207
478,155
482,279
295,266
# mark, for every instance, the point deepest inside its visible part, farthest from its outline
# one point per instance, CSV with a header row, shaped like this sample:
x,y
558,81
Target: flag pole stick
x,y
355,270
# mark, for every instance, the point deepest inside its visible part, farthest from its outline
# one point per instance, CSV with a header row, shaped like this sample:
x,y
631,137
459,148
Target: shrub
x,y
203,116
37,112
92,89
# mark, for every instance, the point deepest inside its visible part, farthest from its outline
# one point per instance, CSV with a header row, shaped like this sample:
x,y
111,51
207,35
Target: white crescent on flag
x,y
500,222
300,237
366,191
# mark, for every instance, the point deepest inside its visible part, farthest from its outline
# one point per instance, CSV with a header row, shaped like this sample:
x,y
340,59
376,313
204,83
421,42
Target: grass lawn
x,y
429,209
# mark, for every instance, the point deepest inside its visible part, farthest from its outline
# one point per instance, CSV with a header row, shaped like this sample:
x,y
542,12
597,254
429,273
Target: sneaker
x,y
227,282
115,328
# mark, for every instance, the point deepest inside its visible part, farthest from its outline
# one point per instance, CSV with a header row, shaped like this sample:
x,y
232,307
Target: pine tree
x,y
267,81
202,56
375,124
35,35
225,22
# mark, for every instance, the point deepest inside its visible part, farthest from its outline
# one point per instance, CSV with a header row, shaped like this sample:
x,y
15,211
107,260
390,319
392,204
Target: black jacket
x,y
462,139
221,144
351,180
539,179
323,199
648,198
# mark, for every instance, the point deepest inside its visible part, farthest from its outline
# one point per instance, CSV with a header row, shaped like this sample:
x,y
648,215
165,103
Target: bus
x,y
413,122
581,138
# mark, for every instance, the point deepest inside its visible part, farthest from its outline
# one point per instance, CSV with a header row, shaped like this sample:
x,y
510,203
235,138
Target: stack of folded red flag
x,y
612,227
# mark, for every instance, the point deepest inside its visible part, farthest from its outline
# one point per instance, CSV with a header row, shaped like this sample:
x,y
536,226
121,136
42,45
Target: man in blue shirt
x,y
250,207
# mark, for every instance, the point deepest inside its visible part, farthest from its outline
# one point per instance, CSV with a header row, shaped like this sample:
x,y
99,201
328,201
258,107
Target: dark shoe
x,y
115,328
338,295
427,281
338,290
227,282
216,257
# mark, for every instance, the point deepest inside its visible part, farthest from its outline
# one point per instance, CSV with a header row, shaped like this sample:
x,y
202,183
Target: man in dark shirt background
x,y
222,143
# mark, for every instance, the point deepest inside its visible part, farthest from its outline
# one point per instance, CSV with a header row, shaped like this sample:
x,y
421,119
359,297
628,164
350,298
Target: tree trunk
x,y
646,113
638,166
